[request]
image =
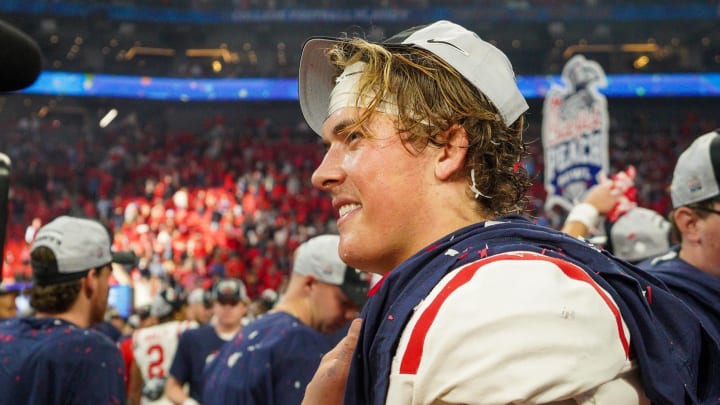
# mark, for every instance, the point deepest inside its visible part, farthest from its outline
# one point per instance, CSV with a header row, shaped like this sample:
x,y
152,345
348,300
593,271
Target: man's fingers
x,y
341,355
327,387
351,339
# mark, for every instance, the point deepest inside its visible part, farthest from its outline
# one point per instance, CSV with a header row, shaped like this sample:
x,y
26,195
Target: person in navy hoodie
x,y
53,357
423,137
692,268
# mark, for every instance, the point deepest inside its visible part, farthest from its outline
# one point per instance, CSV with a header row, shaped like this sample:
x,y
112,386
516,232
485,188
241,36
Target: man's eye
x,y
353,136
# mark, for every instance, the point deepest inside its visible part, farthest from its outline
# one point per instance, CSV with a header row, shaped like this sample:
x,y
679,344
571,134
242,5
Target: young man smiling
x,y
477,306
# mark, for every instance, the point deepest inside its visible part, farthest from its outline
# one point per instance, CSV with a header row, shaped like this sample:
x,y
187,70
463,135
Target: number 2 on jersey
x,y
155,367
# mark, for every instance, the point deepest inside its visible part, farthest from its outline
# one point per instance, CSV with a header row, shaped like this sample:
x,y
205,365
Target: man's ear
x,y
451,157
89,282
686,222
309,281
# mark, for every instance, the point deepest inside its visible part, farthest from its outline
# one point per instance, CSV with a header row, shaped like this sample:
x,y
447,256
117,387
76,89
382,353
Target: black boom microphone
x,y
20,66
4,196
20,59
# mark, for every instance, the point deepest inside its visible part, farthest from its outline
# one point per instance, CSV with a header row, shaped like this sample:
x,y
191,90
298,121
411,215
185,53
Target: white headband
x,y
346,92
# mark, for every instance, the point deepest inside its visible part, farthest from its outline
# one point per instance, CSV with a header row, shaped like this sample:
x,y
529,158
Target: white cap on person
x,y
319,257
697,172
478,61
79,245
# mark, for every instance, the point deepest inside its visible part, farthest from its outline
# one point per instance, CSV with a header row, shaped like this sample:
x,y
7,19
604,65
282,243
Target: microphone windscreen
x,y
5,162
20,59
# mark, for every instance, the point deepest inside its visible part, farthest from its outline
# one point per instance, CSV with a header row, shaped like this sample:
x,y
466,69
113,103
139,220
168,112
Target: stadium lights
x,y
641,62
631,48
143,50
227,56
639,47
108,118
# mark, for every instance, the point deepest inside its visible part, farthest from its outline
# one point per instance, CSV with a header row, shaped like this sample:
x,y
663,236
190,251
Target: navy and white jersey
x,y
699,290
510,312
46,361
196,348
270,362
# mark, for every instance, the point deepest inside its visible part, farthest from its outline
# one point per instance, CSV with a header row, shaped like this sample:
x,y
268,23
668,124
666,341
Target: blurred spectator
x,y
630,232
262,304
8,309
199,306
154,347
692,269
52,353
198,346
277,354
32,229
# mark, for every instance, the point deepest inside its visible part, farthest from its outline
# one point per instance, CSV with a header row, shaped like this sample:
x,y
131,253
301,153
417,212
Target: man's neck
x,y
694,257
293,308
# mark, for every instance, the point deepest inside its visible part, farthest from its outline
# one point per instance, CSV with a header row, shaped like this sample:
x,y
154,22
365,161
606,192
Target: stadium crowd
x,y
222,203
223,215
227,201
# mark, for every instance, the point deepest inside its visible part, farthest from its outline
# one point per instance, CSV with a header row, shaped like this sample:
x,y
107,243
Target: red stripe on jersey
x,y
413,354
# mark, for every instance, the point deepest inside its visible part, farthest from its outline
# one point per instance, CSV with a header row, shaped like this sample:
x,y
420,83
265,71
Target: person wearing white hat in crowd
x,y
53,357
423,137
692,268
271,361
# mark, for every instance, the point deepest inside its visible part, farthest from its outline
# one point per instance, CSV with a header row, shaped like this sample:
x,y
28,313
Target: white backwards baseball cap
x,y
79,245
640,234
319,257
481,63
697,171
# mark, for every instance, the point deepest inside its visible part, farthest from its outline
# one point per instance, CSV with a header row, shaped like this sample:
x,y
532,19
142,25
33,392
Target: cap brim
x,y
125,258
315,81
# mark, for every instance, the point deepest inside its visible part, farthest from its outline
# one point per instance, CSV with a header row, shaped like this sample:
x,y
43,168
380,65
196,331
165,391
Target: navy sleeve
x,y
181,366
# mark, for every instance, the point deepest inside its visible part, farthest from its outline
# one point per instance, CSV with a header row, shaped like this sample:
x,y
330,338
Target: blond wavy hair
x,y
431,97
